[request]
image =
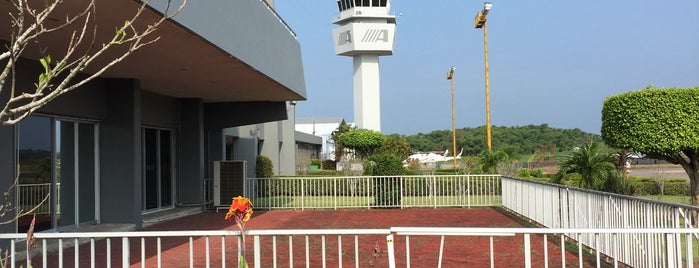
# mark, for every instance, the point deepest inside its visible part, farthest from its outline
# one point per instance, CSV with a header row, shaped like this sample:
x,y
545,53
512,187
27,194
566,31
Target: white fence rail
x,y
31,195
372,191
614,228
559,206
534,247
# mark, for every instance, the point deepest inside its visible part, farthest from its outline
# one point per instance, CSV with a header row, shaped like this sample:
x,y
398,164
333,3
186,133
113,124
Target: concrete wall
x,y
277,140
287,153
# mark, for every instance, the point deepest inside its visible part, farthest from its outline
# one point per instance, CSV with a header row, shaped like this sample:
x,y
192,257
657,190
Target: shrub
x,y
263,167
329,165
524,173
537,173
315,162
383,165
387,188
616,183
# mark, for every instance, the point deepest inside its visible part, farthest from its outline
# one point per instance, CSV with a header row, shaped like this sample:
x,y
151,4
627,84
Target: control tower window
x,y
343,5
375,3
365,3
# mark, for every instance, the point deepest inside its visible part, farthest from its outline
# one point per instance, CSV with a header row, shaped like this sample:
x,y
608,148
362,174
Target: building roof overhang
x,y
181,64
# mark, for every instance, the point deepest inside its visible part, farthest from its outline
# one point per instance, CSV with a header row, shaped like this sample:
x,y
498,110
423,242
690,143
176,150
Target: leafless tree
x,y
30,20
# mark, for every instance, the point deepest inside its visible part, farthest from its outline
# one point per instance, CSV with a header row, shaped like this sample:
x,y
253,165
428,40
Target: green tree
x,y
364,142
395,145
591,162
661,123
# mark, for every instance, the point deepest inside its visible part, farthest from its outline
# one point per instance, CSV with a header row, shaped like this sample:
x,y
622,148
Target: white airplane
x,y
425,158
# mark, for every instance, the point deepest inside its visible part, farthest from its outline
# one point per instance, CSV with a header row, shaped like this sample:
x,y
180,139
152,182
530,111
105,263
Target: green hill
x,y
523,140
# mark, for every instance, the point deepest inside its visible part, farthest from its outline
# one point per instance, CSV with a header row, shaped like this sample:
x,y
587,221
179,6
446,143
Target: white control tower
x,y
366,32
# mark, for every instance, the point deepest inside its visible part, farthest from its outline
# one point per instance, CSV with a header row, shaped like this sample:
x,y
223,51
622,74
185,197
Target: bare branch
x,y
58,76
7,207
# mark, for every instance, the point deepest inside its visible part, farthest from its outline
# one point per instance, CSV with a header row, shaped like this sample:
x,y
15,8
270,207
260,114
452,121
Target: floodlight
x,y
450,74
487,6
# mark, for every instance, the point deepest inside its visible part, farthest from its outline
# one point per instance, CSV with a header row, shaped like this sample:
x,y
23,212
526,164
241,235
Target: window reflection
x,y
56,156
35,171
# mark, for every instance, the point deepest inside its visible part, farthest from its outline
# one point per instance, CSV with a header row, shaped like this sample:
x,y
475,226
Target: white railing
x,y
375,191
391,247
676,242
615,228
559,206
31,195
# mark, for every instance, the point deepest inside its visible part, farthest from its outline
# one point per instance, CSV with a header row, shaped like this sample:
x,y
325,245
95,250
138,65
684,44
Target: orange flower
x,y
241,207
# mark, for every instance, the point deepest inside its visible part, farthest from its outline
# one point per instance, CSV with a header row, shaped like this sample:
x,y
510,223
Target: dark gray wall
x,y
215,146
120,154
7,170
7,164
190,177
221,115
87,102
159,110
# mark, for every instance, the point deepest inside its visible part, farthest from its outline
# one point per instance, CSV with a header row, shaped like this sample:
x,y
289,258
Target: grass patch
x,y
675,199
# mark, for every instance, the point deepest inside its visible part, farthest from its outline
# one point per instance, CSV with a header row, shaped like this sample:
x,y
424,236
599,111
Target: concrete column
x,y
120,154
191,165
367,104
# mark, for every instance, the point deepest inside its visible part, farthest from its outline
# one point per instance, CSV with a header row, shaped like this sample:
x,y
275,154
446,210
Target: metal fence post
x,y
391,253
124,252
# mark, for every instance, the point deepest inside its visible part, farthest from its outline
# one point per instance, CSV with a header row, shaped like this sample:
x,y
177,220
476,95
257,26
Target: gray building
x,y
143,137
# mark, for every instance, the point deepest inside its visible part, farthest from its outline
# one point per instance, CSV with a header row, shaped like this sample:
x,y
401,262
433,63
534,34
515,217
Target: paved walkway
x,y
459,252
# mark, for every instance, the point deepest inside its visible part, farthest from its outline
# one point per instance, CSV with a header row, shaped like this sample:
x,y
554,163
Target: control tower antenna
x,y
366,31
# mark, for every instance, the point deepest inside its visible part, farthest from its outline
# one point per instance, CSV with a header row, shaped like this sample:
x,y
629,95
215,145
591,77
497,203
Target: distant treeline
x,y
521,139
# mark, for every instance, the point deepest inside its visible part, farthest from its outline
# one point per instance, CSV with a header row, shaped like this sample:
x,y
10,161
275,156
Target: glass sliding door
x,y
87,168
75,173
36,171
165,170
57,160
66,173
157,169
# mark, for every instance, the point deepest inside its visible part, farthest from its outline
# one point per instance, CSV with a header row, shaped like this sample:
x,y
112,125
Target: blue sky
x,y
551,62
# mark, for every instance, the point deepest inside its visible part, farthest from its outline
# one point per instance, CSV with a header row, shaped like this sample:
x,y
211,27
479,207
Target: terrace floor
x,y
424,250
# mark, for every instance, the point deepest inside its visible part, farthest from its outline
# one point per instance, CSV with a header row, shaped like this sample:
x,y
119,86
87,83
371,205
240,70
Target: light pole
x,y
450,76
480,22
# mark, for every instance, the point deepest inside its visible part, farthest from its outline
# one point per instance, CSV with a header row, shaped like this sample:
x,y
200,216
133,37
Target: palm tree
x,y
335,136
590,161
490,159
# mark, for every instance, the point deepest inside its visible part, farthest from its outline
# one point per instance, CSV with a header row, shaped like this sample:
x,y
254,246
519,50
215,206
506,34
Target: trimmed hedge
x,y
671,187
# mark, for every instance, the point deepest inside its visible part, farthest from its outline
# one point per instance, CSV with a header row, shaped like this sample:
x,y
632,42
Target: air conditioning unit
x,y
229,181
